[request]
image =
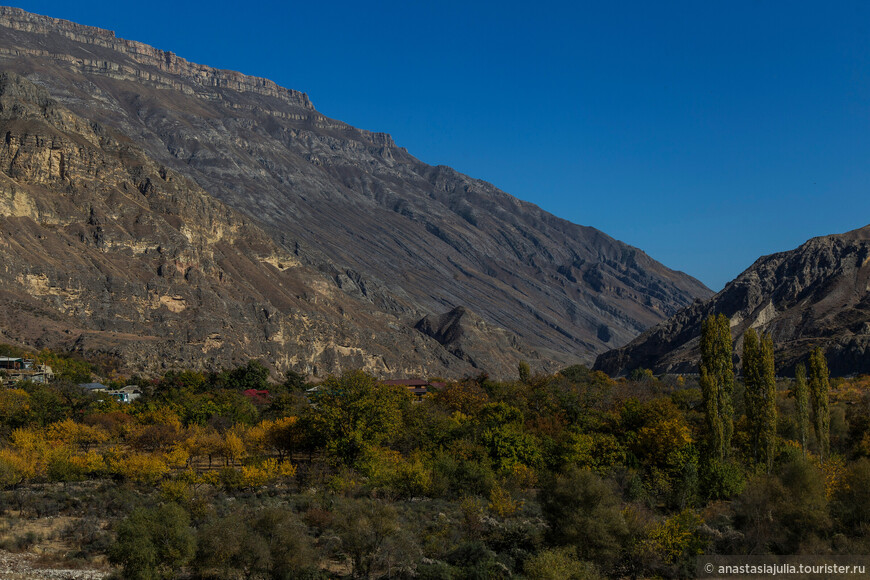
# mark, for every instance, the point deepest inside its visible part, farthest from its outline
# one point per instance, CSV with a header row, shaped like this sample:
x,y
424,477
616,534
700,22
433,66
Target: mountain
x,y
815,295
386,236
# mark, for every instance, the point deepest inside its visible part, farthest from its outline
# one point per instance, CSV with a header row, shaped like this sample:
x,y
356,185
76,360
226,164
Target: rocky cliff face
x,y
405,240
815,295
104,250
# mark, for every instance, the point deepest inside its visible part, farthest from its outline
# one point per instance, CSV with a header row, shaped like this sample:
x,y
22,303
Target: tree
x,y
14,408
760,392
294,382
524,371
154,543
354,412
582,510
819,387
252,375
752,386
801,396
717,383
767,416
781,512
363,528
851,503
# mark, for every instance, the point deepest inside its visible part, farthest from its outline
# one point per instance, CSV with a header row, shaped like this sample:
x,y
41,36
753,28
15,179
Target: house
x,y
417,387
15,369
11,363
94,387
126,394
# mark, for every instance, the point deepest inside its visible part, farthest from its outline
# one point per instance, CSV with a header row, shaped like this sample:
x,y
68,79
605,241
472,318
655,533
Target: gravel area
x,y
21,567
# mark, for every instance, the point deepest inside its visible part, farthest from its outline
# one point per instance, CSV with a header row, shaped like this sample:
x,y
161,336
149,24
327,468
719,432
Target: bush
x,y
851,502
721,479
154,543
583,511
270,543
363,527
559,564
21,542
88,537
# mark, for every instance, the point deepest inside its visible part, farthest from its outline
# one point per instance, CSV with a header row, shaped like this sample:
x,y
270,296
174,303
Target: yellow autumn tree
x,y
69,432
32,449
15,468
178,457
142,468
233,448
202,442
661,442
676,538
14,407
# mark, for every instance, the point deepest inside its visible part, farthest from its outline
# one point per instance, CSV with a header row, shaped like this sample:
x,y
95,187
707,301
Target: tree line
x,y
569,475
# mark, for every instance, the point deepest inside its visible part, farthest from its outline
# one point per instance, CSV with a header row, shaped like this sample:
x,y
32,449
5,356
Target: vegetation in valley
x,y
572,475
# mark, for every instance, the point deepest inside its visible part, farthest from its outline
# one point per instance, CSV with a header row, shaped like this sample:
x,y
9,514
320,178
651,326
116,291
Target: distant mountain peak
x,y
815,295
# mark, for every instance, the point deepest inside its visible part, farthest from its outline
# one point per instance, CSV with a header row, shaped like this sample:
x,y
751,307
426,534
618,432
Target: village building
x,y
17,369
419,388
126,394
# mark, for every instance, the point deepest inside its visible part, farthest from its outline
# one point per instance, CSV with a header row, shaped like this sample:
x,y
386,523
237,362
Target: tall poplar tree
x,y
767,414
759,379
717,383
802,402
751,387
819,387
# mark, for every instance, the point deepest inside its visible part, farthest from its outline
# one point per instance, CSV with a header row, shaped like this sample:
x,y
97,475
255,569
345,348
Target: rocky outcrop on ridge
x,y
815,295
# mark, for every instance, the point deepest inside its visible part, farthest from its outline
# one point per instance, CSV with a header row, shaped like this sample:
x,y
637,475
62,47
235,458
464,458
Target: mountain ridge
x,y
411,239
817,294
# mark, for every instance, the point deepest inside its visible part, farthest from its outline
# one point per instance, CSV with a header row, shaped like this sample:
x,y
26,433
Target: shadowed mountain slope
x,y
815,295
408,239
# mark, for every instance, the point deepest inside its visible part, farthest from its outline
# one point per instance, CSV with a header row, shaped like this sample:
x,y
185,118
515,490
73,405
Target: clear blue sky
x,y
707,134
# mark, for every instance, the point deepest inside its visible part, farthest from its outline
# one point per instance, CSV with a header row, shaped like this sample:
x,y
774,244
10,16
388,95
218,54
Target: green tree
x,y
851,502
294,382
67,367
784,511
819,387
249,376
363,528
354,412
802,402
154,543
760,393
525,372
768,415
752,386
267,543
717,383
583,511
